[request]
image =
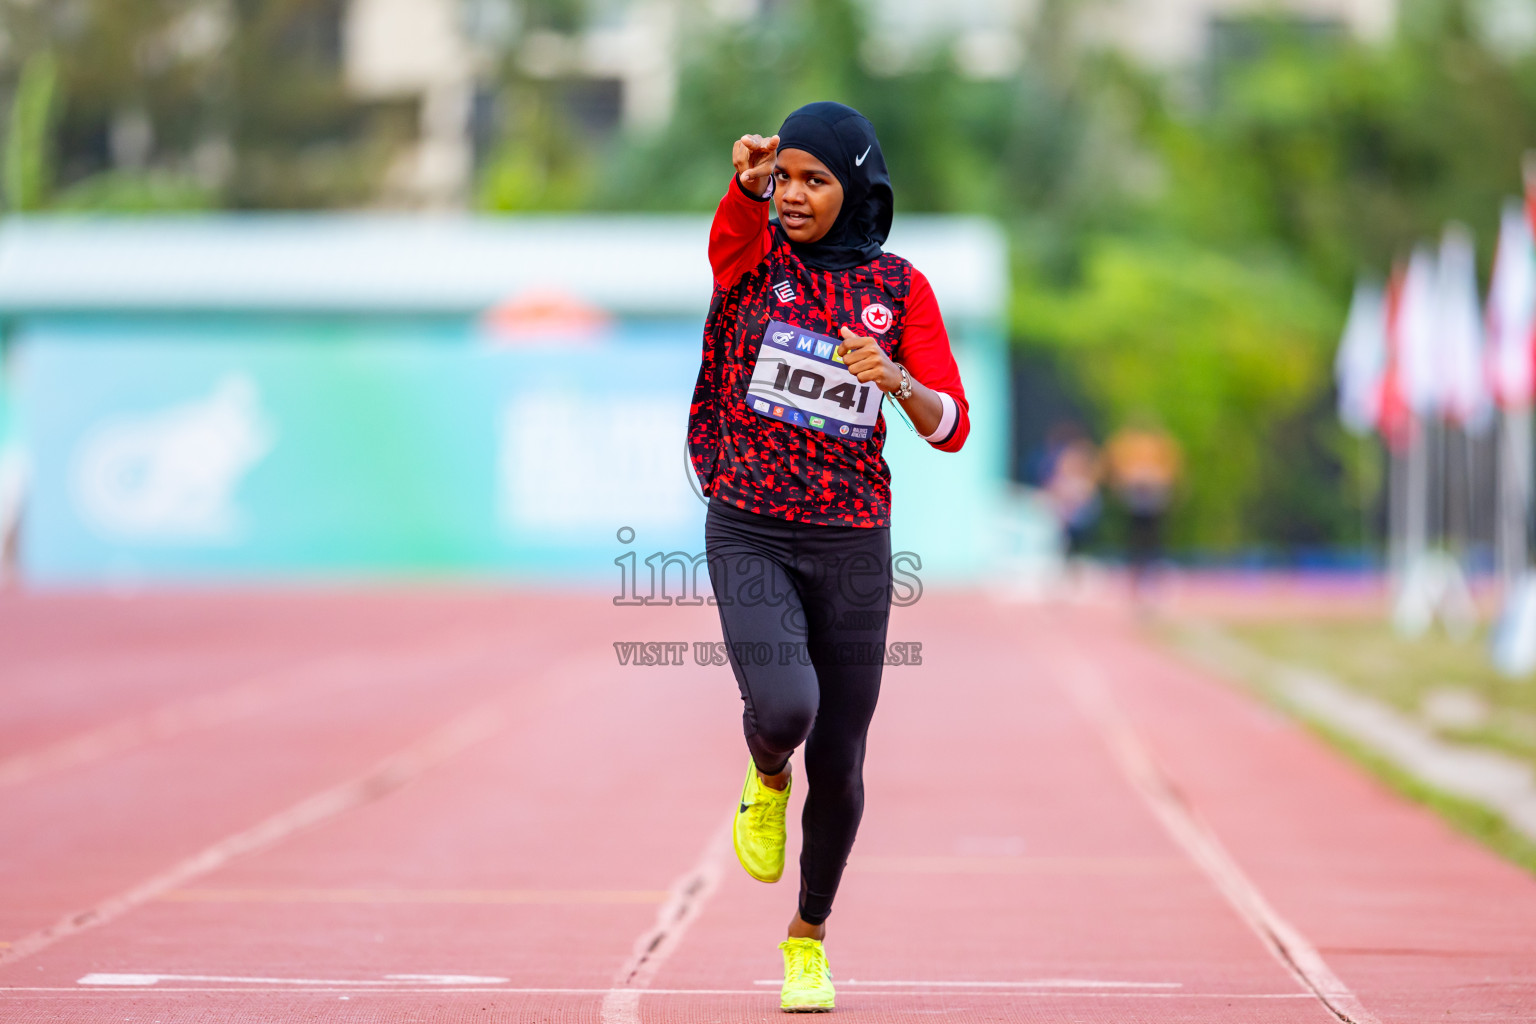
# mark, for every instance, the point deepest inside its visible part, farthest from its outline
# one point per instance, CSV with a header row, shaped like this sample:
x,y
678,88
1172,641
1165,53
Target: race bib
x,y
797,379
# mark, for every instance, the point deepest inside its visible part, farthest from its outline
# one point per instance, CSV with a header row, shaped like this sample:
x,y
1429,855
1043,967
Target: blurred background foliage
x,y
1184,242
158,105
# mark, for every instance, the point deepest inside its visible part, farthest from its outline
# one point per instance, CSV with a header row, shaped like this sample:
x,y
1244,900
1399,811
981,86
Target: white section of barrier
x,y
369,263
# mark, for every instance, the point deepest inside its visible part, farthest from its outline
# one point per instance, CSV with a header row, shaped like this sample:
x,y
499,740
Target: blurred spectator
x,y
1144,464
1069,476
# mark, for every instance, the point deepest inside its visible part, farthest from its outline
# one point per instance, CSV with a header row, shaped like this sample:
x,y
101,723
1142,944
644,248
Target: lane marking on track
x,y
1087,689
470,728
141,991
621,1003
403,979
205,711
413,896
1072,983
947,865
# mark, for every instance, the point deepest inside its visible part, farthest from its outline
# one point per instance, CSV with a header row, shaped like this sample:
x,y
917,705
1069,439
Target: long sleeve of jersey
x,y
739,237
925,352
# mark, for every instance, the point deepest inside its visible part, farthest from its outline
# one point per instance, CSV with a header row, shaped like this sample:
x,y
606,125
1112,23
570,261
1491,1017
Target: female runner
x,y
810,326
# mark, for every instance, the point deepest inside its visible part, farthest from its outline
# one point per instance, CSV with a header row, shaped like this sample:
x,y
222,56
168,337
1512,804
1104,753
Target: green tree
x,y
1218,350
1307,158
297,139
28,141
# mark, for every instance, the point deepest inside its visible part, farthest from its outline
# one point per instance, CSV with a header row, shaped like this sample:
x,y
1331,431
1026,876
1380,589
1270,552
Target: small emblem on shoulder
x,y
877,318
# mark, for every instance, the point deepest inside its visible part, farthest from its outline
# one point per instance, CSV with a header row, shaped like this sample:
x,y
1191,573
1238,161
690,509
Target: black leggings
x,y
804,610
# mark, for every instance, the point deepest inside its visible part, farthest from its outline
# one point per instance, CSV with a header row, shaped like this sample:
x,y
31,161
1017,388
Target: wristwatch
x,y
905,391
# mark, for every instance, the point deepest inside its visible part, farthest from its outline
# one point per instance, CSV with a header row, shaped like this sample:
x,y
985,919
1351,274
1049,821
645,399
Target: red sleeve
x,y
739,238
924,350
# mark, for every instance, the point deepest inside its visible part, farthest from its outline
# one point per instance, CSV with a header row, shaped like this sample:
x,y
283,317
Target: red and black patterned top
x,y
775,468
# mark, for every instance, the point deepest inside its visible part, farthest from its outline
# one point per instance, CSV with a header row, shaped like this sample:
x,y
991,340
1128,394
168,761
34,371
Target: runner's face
x,y
806,194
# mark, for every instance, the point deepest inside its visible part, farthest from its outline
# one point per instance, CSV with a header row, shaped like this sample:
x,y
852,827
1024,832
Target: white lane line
x,y
929,864
1069,983
388,775
257,694
621,1003
138,991
410,896
1161,794
402,979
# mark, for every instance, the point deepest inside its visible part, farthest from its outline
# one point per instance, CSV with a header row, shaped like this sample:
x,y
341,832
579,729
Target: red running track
x,y
458,805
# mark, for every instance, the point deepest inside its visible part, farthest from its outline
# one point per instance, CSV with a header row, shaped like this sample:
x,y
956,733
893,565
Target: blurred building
x,y
989,36
618,66
419,50
429,84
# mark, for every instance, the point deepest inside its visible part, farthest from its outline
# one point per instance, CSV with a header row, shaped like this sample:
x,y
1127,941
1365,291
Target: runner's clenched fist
x,y
865,360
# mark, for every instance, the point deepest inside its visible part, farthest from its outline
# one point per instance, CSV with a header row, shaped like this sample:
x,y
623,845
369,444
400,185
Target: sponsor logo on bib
x,y
877,318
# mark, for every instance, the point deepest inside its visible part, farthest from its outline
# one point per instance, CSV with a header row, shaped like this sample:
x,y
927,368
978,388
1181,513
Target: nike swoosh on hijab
x,y
834,134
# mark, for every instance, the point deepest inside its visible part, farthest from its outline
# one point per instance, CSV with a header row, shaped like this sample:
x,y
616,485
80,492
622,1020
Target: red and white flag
x,y
1511,315
1393,419
1361,362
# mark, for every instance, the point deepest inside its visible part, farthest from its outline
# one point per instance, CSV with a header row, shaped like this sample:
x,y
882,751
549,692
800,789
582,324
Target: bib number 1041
x,y
799,380
810,384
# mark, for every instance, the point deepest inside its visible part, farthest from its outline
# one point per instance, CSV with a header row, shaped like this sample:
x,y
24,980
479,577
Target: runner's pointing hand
x,y
865,360
754,158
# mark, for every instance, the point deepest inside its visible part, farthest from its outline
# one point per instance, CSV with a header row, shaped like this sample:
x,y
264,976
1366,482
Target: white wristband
x,y
946,419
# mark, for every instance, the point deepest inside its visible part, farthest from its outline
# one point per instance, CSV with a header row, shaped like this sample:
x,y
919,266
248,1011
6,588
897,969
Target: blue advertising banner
x,y
251,448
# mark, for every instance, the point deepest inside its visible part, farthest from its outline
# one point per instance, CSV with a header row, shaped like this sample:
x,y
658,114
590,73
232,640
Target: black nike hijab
x,y
844,140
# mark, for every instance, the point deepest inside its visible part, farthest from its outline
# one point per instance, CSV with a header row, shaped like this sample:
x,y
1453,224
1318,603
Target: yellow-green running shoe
x,y
758,830
807,978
